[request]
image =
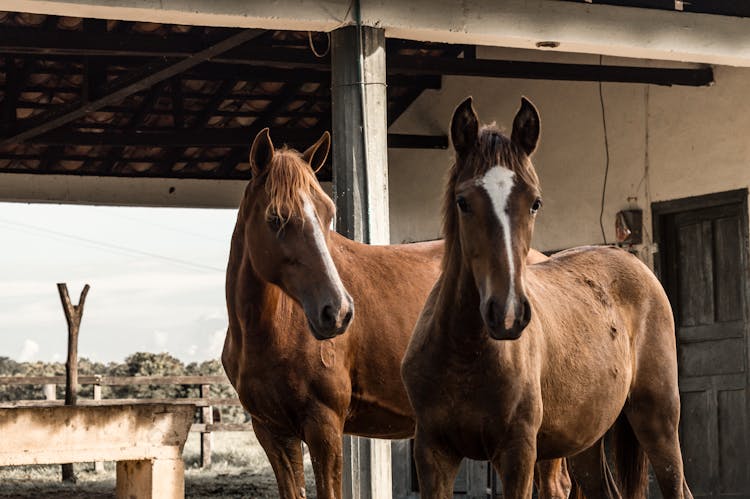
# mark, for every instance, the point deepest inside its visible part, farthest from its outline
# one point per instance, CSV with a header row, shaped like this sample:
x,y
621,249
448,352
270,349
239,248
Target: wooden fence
x,y
205,402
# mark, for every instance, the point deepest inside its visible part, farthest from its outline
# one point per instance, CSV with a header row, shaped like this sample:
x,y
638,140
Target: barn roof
x,y
139,99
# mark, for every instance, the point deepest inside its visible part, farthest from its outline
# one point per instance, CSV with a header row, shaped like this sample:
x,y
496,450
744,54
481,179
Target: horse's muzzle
x,y
500,326
332,320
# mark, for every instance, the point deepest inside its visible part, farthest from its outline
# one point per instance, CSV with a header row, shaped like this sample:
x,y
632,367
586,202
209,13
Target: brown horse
x,y
289,275
515,363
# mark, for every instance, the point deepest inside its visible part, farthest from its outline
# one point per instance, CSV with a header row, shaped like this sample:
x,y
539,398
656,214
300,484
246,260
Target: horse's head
x,y
493,198
287,219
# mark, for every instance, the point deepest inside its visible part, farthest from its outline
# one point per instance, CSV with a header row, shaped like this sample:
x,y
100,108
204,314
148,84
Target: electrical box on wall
x,y
629,227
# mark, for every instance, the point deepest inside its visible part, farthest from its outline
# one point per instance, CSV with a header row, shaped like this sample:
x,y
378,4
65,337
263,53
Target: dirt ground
x,y
240,470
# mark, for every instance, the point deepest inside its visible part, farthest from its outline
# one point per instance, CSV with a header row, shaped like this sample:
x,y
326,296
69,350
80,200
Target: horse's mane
x,y
288,179
495,148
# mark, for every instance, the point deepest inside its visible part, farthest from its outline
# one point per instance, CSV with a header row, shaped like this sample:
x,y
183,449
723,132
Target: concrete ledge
x,y
146,440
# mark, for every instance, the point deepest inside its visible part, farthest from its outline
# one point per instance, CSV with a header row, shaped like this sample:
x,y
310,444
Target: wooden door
x,y
703,247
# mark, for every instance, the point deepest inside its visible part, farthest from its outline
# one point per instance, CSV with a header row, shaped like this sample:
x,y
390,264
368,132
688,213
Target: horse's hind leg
x,y
552,479
592,474
285,455
655,419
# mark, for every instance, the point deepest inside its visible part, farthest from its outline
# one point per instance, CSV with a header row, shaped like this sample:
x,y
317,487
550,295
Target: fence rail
x,y
205,403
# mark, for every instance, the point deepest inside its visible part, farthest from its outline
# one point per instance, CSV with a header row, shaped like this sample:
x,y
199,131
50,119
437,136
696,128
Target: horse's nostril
x,y
328,315
348,316
526,312
494,314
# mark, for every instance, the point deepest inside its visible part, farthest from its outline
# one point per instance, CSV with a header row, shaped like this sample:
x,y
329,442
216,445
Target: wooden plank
x,y
711,358
712,332
198,402
733,445
696,286
729,294
116,380
123,87
695,439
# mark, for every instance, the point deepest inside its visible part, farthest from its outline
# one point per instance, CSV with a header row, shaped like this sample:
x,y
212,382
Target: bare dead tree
x,y
73,314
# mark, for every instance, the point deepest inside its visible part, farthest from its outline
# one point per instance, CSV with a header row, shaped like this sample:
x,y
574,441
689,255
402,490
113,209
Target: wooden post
x,y
50,391
207,418
98,465
73,315
360,187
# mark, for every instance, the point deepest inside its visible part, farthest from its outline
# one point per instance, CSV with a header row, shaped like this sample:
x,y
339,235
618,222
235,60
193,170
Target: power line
x,y
121,249
168,227
606,164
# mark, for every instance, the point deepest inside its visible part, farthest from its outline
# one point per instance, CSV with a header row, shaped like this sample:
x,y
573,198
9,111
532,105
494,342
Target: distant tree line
x,y
137,364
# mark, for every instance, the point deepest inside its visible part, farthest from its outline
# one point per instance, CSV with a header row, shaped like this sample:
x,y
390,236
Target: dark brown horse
x,y
289,275
515,363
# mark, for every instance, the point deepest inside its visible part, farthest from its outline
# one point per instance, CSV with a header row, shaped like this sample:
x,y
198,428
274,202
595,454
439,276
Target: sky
x,y
156,277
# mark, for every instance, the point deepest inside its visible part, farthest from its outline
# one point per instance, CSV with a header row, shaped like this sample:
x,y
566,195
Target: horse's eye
x,y
462,204
274,222
535,207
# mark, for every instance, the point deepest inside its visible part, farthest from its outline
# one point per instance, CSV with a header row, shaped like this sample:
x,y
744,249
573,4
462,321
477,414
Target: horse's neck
x,y
457,313
260,303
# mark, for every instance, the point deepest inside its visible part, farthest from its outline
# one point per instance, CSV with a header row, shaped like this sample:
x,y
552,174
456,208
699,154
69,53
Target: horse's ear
x,y
464,127
261,152
317,153
526,127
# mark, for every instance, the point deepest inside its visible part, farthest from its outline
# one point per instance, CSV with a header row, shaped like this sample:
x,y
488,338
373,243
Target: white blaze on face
x,y
311,217
498,182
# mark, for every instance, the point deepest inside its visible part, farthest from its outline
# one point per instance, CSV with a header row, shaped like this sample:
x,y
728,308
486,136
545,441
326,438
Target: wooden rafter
x,y
218,97
10,99
122,88
145,107
218,137
285,97
491,68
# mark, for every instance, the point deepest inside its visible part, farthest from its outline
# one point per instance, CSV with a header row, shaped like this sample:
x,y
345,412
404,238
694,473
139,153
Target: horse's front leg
x,y
285,454
437,467
515,465
324,431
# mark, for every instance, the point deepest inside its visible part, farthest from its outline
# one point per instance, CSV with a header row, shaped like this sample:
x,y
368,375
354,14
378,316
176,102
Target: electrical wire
x,y
312,45
106,246
606,164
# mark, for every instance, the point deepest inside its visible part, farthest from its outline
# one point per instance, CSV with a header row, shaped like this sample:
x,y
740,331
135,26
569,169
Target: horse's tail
x,y
609,485
630,461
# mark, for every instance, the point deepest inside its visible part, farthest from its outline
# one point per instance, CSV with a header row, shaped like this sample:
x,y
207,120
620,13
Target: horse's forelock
x,y
289,180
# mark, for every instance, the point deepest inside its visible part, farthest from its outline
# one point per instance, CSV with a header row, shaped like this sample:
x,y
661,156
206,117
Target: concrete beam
x,y
121,191
577,27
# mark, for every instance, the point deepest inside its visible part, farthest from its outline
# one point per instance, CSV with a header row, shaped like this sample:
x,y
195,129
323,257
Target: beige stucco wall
x,y
664,143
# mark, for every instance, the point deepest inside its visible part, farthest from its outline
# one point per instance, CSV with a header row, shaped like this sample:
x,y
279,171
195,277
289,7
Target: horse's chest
x,y
472,406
